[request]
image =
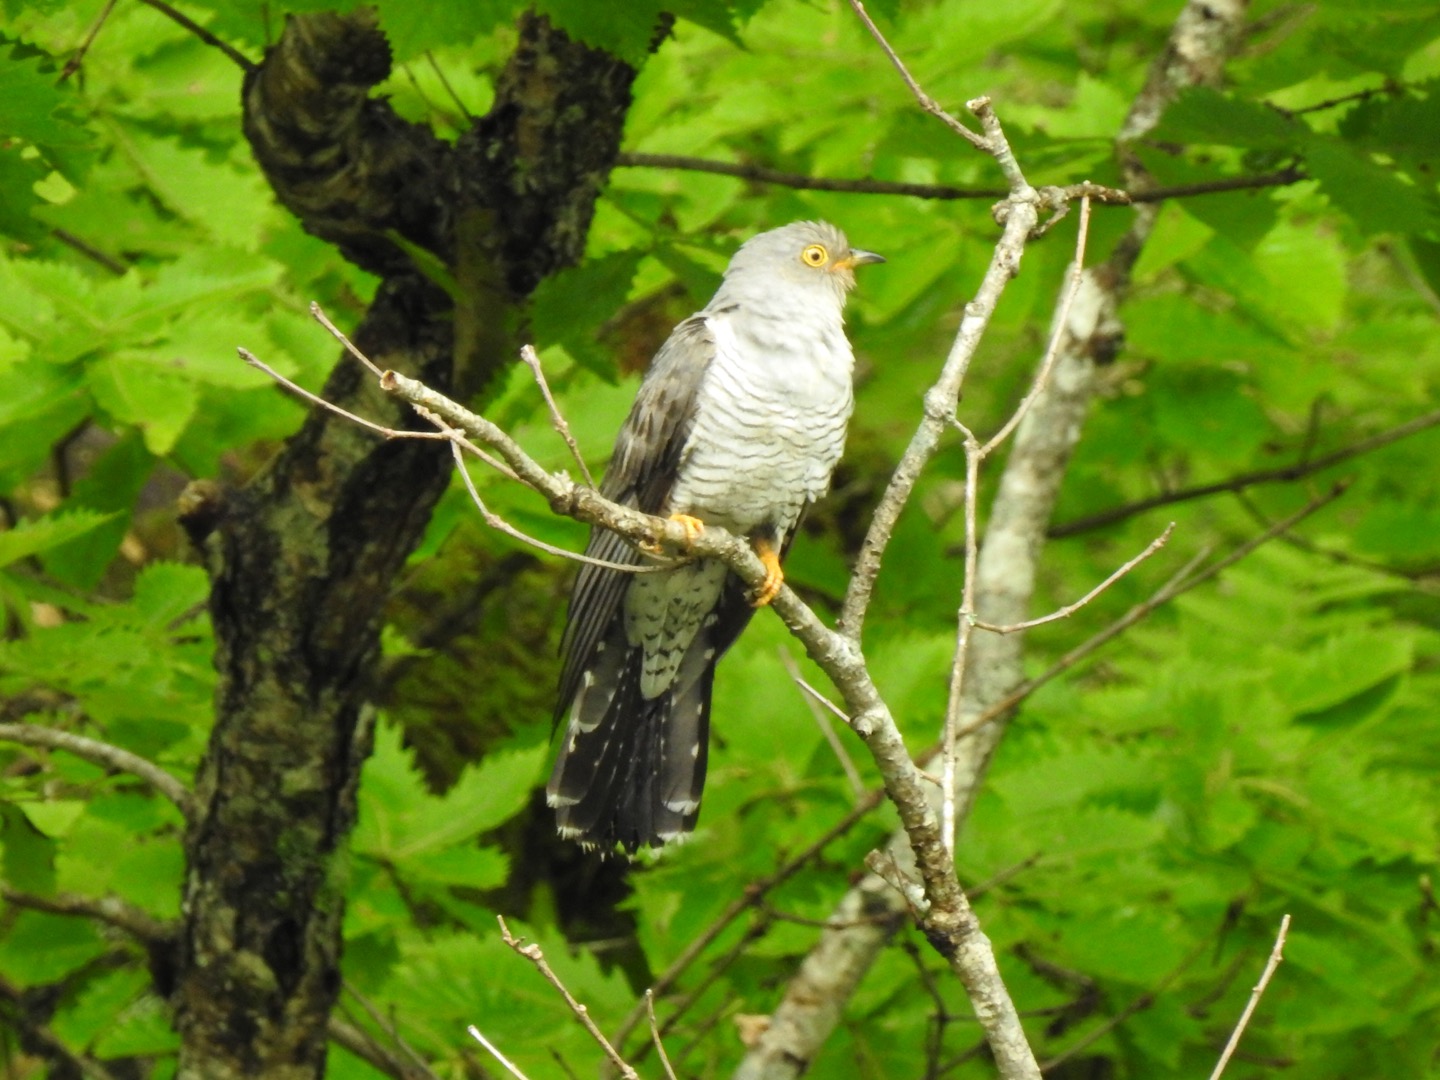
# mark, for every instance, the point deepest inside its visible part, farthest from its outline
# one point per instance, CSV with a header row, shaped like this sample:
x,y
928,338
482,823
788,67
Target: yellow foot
x,y
774,576
693,527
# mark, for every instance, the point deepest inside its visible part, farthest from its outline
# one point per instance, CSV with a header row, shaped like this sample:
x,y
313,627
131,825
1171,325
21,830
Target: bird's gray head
x,y
805,259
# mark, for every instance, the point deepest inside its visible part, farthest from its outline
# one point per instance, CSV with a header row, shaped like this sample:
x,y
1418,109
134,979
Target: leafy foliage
x,y
1266,744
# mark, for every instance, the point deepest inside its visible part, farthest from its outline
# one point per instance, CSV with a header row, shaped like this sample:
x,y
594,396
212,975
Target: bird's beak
x,y
858,258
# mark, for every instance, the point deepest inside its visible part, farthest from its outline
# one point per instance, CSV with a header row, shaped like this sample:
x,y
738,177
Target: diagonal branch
x,y
1282,474
111,757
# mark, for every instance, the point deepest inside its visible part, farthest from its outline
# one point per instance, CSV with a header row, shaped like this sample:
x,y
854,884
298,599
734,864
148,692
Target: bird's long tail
x,y
631,769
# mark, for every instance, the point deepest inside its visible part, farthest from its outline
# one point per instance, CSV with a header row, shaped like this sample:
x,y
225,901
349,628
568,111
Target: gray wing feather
x,y
642,471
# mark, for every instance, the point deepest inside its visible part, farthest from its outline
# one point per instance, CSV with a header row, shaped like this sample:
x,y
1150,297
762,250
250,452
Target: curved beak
x,y
858,258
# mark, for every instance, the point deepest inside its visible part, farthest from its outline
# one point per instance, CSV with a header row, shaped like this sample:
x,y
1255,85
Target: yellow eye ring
x,y
814,255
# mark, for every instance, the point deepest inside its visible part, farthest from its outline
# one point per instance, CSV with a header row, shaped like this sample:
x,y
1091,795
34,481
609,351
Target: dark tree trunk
x,y
304,557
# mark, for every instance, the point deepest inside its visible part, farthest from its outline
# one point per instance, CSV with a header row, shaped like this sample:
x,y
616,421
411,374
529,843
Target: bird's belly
x,y
758,460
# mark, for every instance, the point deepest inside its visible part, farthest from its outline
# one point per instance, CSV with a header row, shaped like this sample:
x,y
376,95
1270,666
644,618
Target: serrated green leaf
x,y
159,403
400,819
1205,116
36,535
1373,196
33,104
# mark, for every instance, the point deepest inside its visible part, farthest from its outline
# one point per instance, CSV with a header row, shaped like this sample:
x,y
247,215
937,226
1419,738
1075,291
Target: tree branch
x,y
1201,39
1276,955
763,174
111,910
111,757
1282,474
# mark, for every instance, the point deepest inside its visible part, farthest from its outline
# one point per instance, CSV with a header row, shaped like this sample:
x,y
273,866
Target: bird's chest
x,y
769,427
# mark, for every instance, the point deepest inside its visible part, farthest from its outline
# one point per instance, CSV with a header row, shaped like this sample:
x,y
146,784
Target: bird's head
x,y
804,257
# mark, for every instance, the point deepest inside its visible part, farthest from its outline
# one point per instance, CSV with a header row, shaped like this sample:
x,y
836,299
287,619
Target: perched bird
x,y
738,423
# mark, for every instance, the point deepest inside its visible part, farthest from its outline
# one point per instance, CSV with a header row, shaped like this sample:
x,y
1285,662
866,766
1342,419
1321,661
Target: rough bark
x,y
303,558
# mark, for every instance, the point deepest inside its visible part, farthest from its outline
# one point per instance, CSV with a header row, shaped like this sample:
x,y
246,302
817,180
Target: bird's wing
x,y
642,471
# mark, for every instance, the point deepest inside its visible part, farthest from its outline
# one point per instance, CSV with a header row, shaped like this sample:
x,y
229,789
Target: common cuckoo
x,y
738,423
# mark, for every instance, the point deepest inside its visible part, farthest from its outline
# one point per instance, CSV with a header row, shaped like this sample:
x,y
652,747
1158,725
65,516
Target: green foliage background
x,y
1267,744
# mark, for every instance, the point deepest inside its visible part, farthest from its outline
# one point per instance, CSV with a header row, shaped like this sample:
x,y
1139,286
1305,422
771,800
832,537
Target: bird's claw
x,y
768,589
693,527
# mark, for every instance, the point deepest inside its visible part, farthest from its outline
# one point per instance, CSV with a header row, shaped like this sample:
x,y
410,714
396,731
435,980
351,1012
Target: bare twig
x,y
1284,473
112,757
655,1035
200,32
557,418
111,910
1276,955
1182,582
864,186
1057,335
508,1065
533,953
445,82
318,314
800,181
975,454
73,64
819,705
929,104
387,1025
495,521
1070,609
316,400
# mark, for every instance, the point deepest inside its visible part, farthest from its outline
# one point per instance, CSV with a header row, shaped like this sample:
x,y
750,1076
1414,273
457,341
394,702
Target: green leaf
x,y
1374,197
400,820
1208,117
40,948
159,403
33,104
27,855
35,535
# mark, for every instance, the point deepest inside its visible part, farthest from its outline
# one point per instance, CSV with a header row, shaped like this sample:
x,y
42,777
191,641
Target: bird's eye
x,y
815,255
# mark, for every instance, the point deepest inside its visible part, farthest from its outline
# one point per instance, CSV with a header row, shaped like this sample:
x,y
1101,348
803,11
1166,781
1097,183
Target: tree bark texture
x,y
304,557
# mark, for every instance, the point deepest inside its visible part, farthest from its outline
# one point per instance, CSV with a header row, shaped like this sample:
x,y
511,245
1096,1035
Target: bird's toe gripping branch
x,y
774,576
693,527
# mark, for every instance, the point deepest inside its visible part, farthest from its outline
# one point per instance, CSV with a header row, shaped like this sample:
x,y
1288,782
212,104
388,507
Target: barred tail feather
x,y
631,776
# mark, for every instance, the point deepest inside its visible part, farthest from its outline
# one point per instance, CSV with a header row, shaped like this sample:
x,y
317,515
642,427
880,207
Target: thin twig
x,y
1070,609
200,32
73,64
110,910
318,401
387,1025
762,174
445,82
318,314
557,418
1062,328
495,1053
929,104
1180,583
1284,473
1276,955
112,757
655,1035
495,521
533,953
801,182
818,704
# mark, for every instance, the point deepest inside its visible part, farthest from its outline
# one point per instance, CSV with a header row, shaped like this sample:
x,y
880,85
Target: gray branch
x,y
1203,37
